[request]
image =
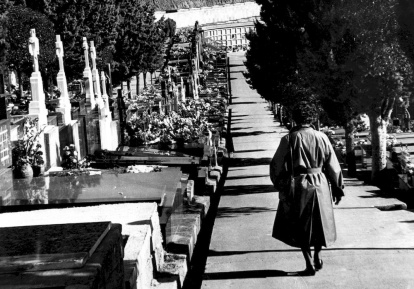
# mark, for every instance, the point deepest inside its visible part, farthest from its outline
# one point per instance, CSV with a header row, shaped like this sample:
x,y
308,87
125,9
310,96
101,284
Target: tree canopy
x,y
349,56
4,6
139,40
19,22
97,20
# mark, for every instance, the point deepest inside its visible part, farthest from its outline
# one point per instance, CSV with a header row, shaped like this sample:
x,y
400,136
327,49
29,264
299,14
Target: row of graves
x,y
127,179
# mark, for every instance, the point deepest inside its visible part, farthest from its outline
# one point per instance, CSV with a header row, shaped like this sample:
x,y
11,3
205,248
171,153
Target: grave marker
x,y
37,105
64,105
95,77
87,76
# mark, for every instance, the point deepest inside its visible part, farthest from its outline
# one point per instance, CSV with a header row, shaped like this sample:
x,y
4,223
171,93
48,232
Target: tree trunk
x,y
19,77
144,77
129,88
350,153
379,146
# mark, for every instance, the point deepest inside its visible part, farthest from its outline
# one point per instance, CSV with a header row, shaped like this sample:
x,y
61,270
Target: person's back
x,y
305,215
310,148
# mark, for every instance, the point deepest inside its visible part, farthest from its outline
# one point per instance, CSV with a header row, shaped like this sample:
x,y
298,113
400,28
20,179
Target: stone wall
x,y
205,15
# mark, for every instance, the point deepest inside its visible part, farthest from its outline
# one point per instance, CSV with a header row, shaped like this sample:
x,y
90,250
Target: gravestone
x,y
64,105
107,128
87,77
52,146
49,247
37,105
93,134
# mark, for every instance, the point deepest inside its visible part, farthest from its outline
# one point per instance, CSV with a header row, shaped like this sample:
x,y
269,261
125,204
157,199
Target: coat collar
x,y
302,126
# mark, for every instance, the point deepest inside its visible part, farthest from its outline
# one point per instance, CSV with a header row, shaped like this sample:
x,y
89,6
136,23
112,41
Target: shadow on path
x,y
250,151
248,190
227,212
252,133
246,162
248,274
247,177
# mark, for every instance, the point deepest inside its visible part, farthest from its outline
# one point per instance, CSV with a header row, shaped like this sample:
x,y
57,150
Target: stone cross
x,y
86,52
59,52
93,55
87,76
106,110
34,49
64,105
37,105
96,77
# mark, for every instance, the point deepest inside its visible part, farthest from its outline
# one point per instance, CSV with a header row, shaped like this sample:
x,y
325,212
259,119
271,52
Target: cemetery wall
x,y
205,15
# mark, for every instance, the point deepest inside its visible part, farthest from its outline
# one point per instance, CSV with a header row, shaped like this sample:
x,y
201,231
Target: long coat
x,y
305,214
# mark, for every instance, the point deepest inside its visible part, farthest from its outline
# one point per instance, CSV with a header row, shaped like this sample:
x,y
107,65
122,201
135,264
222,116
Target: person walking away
x,y
305,217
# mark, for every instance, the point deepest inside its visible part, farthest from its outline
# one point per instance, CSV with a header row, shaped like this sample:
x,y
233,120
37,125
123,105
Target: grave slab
x,y
49,247
104,269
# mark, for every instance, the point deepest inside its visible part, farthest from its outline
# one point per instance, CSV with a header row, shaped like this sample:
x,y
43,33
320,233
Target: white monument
x,y
64,105
37,104
95,77
182,91
87,76
105,112
195,79
107,127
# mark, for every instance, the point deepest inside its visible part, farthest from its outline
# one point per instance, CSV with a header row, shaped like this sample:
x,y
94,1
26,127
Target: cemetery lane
x,y
374,248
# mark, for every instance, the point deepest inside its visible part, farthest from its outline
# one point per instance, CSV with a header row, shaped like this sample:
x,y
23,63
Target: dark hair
x,y
304,112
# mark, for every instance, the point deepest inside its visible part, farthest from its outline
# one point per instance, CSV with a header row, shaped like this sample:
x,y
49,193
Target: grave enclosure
x,y
144,223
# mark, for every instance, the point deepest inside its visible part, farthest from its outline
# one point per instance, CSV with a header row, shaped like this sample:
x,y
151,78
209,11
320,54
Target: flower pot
x,y
38,170
23,172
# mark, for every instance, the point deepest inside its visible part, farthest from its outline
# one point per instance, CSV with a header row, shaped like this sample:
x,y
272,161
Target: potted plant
x,y
26,154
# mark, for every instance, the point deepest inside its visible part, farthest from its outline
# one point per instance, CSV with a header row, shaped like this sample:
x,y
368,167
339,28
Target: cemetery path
x,y
374,248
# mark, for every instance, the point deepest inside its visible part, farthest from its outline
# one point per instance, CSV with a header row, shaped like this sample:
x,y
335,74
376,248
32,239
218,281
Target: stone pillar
x,y
37,105
87,76
95,77
176,98
182,91
64,106
105,112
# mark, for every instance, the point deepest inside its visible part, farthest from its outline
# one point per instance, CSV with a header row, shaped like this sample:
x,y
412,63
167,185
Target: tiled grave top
x,y
85,189
33,248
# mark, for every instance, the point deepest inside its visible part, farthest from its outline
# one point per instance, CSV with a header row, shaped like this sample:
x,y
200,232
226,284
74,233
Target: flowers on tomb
x,y
28,149
405,159
136,169
71,160
180,52
185,125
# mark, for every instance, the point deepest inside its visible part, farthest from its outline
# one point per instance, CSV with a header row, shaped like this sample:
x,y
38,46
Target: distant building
x,y
231,34
212,14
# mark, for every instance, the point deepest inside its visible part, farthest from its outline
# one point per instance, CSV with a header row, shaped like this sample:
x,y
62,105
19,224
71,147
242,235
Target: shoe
x,y
319,265
309,271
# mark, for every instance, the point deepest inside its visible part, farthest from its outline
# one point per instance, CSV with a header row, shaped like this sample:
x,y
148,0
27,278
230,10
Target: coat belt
x,y
309,171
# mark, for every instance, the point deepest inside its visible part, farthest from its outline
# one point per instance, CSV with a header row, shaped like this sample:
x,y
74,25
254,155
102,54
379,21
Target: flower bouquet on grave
x,y
27,154
72,162
404,159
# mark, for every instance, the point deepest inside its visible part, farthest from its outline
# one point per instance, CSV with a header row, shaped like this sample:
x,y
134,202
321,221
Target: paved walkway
x,y
375,249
